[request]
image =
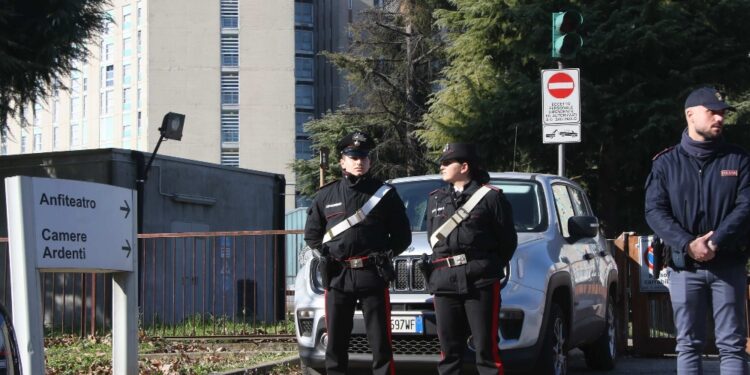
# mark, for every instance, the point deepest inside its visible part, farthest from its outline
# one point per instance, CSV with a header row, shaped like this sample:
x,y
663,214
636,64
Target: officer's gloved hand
x,y
425,265
385,266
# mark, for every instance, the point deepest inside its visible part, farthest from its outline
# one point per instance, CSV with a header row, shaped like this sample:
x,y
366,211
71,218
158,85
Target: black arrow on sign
x,y
127,247
126,208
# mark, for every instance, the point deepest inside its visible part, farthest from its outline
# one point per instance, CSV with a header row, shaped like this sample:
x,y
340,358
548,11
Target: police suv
x,y
558,294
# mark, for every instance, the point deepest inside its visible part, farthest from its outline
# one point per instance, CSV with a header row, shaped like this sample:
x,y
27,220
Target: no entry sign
x,y
561,97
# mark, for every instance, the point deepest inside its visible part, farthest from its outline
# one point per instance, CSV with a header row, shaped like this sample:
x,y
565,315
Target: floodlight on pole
x,y
171,128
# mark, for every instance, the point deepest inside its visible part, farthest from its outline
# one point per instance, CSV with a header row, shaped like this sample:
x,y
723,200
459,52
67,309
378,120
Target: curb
x,y
261,368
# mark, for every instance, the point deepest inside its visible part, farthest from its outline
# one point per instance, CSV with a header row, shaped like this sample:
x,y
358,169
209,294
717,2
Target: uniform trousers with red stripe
x,y
475,313
376,310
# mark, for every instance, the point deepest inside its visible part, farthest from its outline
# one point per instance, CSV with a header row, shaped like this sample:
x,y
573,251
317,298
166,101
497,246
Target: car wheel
x,y
602,354
309,370
554,354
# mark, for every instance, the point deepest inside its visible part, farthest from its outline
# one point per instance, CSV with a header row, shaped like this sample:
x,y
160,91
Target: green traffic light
x,y
565,41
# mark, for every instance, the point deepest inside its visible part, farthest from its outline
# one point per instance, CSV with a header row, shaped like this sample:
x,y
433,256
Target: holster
x,y
426,266
384,265
328,268
662,255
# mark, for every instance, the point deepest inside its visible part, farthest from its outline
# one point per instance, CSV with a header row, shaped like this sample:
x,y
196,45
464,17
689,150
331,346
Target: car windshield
x,y
524,196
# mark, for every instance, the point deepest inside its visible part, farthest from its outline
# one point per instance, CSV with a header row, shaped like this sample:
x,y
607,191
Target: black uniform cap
x,y
459,151
708,97
357,144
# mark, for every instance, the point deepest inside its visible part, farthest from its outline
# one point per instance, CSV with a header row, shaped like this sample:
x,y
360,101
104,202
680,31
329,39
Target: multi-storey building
x,y
228,65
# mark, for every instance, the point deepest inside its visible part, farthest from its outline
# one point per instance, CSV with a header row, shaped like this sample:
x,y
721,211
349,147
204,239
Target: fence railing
x,y
190,284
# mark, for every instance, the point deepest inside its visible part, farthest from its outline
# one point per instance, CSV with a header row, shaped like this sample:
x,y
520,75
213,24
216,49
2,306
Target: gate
x,y
646,304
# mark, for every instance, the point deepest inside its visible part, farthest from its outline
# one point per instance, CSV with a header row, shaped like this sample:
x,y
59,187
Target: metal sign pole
x,y
560,147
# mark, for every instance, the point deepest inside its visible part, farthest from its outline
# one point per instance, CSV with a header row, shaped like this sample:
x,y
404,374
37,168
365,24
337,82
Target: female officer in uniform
x,y
468,259
355,240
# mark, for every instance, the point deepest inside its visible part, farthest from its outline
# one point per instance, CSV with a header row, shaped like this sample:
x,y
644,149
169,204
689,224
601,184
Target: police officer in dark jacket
x,y
698,202
468,260
354,233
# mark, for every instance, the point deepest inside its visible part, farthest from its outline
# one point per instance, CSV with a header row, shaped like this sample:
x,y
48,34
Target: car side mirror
x,y
583,227
9,361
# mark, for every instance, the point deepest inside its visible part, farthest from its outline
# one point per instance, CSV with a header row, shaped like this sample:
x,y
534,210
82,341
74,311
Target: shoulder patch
x,y
662,152
321,188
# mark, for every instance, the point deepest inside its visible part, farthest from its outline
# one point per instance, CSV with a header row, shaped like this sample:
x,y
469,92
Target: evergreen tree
x,y
393,59
40,41
639,61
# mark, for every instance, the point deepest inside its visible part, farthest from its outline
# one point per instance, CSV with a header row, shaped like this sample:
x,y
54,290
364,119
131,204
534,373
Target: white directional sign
x,y
561,133
76,225
561,96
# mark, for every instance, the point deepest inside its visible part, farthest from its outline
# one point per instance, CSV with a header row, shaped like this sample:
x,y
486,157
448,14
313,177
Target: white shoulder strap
x,y
358,216
462,213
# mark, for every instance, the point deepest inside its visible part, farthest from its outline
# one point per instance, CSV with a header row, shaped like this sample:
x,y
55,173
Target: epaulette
x,y
321,188
662,152
493,187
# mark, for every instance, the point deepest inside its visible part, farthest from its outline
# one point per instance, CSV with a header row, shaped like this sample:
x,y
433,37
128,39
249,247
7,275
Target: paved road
x,y
633,365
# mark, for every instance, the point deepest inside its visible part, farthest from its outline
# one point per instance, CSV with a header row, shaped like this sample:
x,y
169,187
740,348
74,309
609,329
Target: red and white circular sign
x,y
560,85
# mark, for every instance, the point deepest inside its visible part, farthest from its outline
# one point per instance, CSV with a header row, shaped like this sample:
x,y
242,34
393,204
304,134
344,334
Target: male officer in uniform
x,y
354,222
698,202
468,259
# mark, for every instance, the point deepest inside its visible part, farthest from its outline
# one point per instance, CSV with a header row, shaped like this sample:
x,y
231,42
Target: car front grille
x,y
405,345
409,276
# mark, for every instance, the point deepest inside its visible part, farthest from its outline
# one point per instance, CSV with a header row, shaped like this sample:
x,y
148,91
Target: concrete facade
x,y
160,56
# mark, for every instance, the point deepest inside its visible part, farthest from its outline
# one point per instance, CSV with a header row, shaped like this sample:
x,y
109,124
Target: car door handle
x,y
588,256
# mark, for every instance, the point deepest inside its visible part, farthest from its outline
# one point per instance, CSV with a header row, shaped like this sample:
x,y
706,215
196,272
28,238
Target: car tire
x,y
602,354
309,370
554,353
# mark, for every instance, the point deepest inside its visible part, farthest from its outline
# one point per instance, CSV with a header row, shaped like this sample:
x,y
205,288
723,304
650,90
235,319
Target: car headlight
x,y
316,277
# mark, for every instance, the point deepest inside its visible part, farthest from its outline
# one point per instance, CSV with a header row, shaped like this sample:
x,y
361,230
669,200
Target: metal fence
x,y
190,284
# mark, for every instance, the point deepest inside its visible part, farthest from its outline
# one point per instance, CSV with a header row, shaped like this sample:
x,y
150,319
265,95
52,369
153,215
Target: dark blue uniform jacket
x,y
686,198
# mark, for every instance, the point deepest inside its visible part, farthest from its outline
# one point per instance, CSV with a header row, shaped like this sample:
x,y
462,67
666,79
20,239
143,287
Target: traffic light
x,y
565,41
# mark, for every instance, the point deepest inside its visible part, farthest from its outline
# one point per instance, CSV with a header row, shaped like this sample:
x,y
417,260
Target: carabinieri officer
x,y
469,251
357,223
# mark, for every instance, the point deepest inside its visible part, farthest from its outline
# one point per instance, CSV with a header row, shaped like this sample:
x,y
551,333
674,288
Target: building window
x,y
140,70
230,158
105,103
138,128
303,149
126,76
304,96
37,114
139,42
75,135
230,126
37,139
230,88
300,119
303,13
75,82
127,18
126,130
110,26
24,143
84,105
230,50
55,137
56,111
75,108
230,14
107,48
303,68
127,48
139,13
106,125
303,41
108,76
126,100
138,98
4,147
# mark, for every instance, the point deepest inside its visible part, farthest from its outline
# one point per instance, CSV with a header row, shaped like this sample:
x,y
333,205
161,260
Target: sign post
x,y
57,225
561,108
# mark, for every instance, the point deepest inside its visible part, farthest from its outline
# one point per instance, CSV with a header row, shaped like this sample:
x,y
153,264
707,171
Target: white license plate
x,y
407,324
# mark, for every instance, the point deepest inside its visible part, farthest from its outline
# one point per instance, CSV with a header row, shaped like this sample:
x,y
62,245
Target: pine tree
x,y
394,57
639,61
